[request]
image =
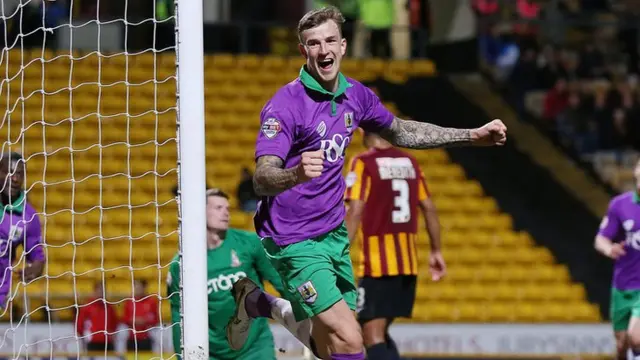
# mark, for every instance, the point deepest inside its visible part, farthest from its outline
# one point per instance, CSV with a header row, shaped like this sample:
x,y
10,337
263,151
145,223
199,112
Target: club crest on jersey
x,y
15,233
348,121
308,292
628,224
235,260
321,129
271,127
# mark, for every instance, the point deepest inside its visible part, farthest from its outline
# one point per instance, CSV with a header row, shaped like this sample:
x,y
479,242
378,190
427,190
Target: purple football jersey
x,y
20,225
622,224
303,117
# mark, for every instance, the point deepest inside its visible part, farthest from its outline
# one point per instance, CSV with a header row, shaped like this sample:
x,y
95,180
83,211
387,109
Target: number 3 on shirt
x,y
401,211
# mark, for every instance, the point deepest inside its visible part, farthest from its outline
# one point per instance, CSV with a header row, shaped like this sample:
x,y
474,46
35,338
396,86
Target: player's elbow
x,y
257,185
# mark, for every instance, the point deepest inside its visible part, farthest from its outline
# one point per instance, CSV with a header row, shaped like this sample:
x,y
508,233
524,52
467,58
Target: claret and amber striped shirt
x,y
392,185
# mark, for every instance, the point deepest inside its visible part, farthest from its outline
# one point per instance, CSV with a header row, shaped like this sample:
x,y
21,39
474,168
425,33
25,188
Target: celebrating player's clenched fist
x,y
493,133
310,165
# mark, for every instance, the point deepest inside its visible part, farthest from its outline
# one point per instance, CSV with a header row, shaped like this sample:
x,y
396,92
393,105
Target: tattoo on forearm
x,y
270,178
420,135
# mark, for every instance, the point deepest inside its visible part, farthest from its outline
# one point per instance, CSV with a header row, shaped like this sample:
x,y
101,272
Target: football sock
x,y
282,312
258,304
379,351
394,354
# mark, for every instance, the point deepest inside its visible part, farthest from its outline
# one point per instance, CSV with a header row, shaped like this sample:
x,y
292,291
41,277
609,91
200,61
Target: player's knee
x,y
347,338
622,345
633,341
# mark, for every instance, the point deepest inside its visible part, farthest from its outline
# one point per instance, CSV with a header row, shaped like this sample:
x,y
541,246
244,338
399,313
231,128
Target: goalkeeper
x,y
232,255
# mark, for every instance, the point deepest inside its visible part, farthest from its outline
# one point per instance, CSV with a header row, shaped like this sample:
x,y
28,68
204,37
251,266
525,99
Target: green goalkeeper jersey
x,y
240,255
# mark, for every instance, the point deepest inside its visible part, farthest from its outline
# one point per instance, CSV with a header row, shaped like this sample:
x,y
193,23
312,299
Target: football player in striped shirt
x,y
385,189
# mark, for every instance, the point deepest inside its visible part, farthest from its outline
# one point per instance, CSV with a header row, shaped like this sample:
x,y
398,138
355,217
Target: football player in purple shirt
x,y
305,130
619,239
19,225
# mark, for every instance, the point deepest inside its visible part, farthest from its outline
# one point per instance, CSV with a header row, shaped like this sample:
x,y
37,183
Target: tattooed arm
x,y
270,178
420,135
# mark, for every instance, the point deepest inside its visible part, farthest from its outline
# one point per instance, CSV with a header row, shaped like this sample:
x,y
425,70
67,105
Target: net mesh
x,y
94,114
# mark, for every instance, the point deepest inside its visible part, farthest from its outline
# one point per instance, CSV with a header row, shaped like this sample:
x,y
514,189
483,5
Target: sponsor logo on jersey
x,y
271,127
633,239
224,282
169,279
308,292
235,260
334,148
348,121
321,129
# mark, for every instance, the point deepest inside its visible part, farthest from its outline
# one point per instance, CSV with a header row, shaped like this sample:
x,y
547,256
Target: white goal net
x,y
89,96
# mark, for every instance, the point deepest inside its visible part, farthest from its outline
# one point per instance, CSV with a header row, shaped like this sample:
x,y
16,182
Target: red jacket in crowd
x,y
146,316
96,318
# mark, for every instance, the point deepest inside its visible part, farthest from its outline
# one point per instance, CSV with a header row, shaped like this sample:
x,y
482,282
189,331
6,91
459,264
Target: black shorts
x,y
386,297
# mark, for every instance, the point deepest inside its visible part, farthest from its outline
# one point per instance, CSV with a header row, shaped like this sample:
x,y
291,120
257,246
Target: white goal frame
x,y
192,178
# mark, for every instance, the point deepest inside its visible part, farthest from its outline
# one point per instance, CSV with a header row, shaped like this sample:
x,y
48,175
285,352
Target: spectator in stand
x,y
141,315
96,322
603,115
592,64
485,8
576,128
556,100
247,196
524,78
550,67
500,52
420,22
620,134
527,10
378,17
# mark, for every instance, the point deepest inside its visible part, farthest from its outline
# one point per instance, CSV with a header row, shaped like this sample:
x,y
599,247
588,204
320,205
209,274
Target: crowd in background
x,y
580,81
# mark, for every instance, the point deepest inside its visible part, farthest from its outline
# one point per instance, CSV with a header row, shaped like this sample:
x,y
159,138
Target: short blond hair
x,y
318,17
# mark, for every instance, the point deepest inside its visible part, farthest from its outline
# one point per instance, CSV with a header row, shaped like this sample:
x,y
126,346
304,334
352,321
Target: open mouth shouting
x,y
325,64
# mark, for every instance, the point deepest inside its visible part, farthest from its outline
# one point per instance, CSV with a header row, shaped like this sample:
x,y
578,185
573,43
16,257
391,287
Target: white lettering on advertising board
x,y
465,339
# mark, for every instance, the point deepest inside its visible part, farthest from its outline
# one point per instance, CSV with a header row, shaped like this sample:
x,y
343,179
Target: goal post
x,y
191,170
106,129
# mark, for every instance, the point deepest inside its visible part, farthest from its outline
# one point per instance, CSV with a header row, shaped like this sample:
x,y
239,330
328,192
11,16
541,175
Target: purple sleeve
x,y
276,133
375,116
610,226
33,242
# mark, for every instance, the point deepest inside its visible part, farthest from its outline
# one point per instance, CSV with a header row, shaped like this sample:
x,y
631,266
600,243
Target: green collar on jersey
x,y
17,206
312,84
636,197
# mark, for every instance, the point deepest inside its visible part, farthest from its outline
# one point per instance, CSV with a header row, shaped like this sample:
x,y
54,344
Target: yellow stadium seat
x,y
499,312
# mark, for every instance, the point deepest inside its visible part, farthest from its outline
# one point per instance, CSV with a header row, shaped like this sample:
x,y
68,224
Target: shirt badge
x,y
271,127
628,225
321,129
235,261
308,292
348,121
